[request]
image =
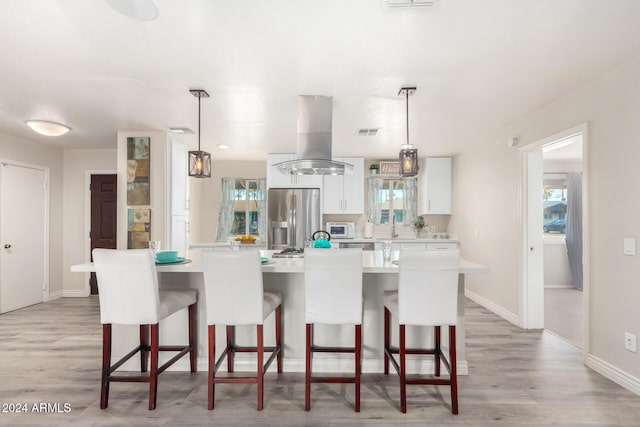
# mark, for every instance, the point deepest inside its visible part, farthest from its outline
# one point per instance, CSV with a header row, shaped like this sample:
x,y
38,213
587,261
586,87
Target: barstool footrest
x,y
333,380
321,349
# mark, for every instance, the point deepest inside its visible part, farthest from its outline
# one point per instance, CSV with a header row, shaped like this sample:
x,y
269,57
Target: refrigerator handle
x,y
292,221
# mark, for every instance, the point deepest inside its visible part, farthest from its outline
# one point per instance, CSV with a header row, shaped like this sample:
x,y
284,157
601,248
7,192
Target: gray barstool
x,y
427,296
129,295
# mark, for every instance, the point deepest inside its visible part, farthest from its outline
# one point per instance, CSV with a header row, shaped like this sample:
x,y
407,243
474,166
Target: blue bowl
x,y
167,256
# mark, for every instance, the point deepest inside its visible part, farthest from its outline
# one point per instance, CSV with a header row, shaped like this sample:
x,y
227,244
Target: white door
x,y
22,236
534,311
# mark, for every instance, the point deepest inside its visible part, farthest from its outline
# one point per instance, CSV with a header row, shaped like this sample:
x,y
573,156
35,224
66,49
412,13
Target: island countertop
x,y
372,262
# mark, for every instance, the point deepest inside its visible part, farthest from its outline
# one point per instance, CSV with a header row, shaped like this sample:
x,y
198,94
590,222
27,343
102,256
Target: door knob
x,y
7,246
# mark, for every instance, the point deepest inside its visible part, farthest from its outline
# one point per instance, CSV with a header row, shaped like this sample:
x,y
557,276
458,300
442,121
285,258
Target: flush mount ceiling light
x,y
140,10
408,153
48,128
199,161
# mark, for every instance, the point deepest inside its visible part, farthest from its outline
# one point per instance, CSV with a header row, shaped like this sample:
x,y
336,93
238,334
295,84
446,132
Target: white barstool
x,y
333,295
235,296
427,296
129,295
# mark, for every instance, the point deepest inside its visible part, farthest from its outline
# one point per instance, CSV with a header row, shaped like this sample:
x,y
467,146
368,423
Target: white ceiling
x,y
478,66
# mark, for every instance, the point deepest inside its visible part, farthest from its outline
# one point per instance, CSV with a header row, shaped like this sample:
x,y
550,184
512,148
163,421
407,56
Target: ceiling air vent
x,y
368,132
395,4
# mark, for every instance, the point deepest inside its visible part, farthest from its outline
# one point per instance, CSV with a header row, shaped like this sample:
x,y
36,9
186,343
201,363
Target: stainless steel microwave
x,y
341,230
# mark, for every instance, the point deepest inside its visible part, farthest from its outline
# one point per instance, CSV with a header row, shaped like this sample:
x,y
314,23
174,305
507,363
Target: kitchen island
x,y
286,275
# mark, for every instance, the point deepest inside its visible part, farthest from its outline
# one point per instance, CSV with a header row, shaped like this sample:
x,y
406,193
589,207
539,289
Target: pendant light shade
x,y
408,157
199,161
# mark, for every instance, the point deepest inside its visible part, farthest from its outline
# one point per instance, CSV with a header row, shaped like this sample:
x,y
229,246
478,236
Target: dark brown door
x,y
103,216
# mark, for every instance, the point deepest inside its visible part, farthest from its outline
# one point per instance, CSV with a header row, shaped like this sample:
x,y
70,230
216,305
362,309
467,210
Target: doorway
x,y
556,255
24,219
104,203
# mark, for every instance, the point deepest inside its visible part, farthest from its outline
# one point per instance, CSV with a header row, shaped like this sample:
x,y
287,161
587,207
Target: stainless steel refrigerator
x,y
293,216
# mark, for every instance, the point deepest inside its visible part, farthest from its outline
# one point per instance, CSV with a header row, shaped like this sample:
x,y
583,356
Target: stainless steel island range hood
x,y
313,154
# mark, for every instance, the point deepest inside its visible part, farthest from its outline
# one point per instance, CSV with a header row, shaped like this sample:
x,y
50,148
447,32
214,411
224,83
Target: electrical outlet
x,y
630,342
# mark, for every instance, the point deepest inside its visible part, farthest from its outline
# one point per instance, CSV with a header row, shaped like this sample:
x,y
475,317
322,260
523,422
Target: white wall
x,y
22,150
75,227
487,185
557,273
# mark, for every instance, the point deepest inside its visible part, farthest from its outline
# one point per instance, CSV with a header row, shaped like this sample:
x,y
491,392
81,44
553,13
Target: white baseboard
x,y
500,311
75,293
559,286
616,375
54,295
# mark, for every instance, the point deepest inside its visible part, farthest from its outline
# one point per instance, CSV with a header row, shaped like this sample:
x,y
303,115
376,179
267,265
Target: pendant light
x,y
408,153
199,161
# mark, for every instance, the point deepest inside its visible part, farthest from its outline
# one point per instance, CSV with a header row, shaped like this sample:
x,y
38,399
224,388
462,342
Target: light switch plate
x,y
630,247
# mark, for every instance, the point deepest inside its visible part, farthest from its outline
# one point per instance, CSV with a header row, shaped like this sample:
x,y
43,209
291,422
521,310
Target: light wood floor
x,y
50,353
563,313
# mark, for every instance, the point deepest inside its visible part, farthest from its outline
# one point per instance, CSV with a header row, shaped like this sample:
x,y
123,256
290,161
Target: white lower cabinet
x,y
444,246
430,246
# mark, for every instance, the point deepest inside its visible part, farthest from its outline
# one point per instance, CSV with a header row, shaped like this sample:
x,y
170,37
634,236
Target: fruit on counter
x,y
245,239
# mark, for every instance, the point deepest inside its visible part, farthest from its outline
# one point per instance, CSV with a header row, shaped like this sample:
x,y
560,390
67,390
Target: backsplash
x,y
441,222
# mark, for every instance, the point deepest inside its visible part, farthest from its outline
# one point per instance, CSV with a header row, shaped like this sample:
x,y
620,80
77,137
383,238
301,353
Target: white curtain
x,y
374,211
261,199
227,207
410,199
573,232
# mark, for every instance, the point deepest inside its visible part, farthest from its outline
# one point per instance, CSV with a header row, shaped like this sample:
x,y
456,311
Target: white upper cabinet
x,y
278,179
436,186
344,194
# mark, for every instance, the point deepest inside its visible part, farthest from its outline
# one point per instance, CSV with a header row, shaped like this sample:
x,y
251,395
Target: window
x,y
245,212
554,203
392,198
242,208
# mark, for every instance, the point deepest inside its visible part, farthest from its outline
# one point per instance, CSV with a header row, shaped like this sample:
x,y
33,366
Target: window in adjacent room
x,y
554,203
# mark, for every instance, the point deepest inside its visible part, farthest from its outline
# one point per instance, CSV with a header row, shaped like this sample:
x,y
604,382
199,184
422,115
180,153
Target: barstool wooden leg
x,y
106,365
438,352
144,347
212,365
260,370
453,369
387,338
358,364
231,340
192,338
403,370
307,382
153,374
279,337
